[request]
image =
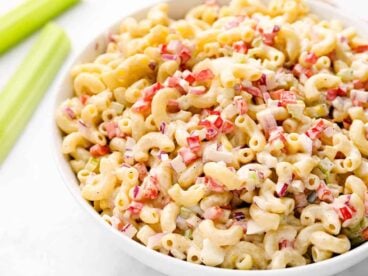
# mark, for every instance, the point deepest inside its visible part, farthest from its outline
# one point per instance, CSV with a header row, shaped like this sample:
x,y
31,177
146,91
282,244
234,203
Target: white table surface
x,y
43,231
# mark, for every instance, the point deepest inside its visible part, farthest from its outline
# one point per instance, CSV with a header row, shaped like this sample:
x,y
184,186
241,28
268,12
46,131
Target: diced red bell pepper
x,y
241,106
269,38
287,97
227,127
194,143
311,58
213,112
98,150
218,122
324,194
150,92
213,185
141,106
315,131
111,129
84,98
335,92
204,75
345,213
150,188
211,129
188,155
188,76
205,123
185,55
360,48
163,49
240,47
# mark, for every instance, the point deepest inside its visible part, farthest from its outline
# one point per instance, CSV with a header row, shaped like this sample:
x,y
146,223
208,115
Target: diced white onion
x,y
164,156
129,144
201,133
297,186
212,154
184,84
229,111
253,228
178,164
270,80
359,95
267,120
329,131
154,242
267,159
129,230
306,143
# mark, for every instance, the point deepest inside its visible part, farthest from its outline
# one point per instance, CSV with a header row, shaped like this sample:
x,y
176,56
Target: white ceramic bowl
x,y
161,262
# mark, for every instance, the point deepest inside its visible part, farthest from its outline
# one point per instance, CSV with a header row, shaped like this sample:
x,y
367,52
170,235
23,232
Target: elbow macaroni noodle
x,y
236,137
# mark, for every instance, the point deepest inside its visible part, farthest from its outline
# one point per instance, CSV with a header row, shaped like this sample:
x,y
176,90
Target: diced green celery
x,y
188,233
257,42
296,110
29,83
92,164
346,74
354,232
357,240
27,18
325,165
185,212
118,107
252,175
317,111
239,57
335,188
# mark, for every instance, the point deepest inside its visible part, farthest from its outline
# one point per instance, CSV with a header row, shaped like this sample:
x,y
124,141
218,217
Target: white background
x,y
43,231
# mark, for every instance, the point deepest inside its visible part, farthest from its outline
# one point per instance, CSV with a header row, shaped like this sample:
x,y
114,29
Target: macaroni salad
x,y
235,137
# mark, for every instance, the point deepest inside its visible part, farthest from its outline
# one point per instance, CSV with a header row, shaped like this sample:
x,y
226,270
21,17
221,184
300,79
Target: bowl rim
x,y
344,260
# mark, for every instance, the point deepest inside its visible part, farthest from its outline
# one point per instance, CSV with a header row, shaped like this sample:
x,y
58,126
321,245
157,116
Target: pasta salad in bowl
x,y
231,134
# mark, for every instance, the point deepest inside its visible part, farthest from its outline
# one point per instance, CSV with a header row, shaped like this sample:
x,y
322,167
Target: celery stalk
x,y
26,87
28,17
